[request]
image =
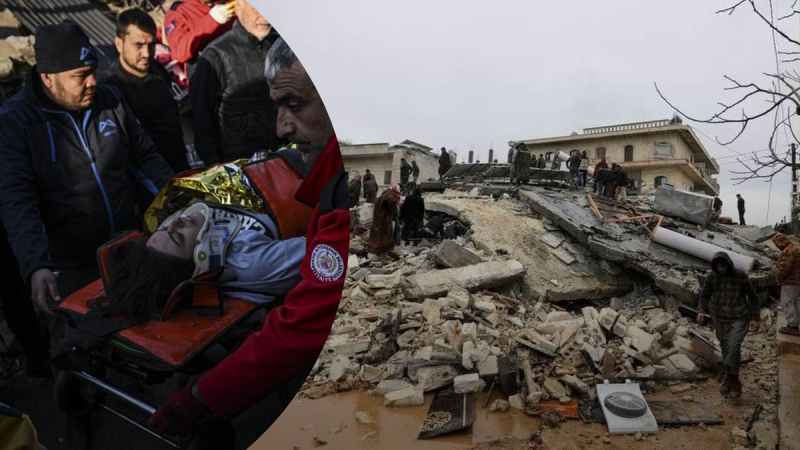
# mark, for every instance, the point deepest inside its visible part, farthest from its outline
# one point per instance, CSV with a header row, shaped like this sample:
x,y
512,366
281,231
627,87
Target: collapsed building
x,y
548,293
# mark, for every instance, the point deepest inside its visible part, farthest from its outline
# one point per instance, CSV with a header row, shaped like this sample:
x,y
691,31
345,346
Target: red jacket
x,y
189,28
294,333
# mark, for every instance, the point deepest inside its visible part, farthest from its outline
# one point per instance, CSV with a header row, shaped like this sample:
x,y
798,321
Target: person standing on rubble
x,y
574,164
597,168
740,207
405,174
415,171
541,163
384,221
354,190
370,187
729,299
620,182
787,274
583,168
716,210
444,163
412,214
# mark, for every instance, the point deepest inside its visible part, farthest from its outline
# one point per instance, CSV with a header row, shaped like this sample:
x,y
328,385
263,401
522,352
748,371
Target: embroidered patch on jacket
x,y
326,263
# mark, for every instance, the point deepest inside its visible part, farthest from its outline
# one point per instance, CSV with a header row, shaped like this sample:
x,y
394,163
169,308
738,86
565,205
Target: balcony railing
x,y
627,127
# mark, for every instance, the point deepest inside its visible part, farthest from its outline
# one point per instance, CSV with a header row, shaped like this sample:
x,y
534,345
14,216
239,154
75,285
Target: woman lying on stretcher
x,y
259,267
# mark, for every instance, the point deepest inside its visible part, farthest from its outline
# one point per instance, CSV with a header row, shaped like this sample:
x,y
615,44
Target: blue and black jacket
x,y
65,177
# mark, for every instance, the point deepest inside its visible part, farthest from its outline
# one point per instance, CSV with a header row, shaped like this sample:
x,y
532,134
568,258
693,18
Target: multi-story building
x,y
383,160
661,152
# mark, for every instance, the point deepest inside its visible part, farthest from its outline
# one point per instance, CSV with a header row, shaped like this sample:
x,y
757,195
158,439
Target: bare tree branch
x,y
769,23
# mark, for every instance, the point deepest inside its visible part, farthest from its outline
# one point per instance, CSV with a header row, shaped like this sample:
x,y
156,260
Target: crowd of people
x,y
83,154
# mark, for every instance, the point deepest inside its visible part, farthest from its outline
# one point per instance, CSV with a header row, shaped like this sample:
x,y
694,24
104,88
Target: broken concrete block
x,y
371,374
344,345
608,316
488,366
352,264
552,240
359,294
487,307
739,437
406,339
432,311
486,275
682,363
467,384
389,281
563,255
616,303
661,322
499,406
383,295
434,377
470,331
412,396
538,340
386,386
516,321
516,402
423,354
568,334
494,318
467,352
559,316
575,384
451,255
339,368
554,388
460,296
640,339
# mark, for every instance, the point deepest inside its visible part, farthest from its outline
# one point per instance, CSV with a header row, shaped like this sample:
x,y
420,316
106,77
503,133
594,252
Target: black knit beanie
x,y
62,47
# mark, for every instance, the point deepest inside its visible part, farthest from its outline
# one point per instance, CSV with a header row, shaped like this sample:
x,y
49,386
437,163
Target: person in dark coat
x,y
145,85
573,164
621,180
354,190
603,182
444,163
370,187
405,174
583,168
740,207
412,214
541,163
415,171
522,166
729,299
384,221
232,113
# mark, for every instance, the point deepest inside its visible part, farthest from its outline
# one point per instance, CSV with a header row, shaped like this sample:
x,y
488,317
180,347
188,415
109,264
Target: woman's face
x,y
179,238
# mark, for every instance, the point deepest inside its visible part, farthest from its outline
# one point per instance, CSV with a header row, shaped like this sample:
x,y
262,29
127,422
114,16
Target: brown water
x,y
332,419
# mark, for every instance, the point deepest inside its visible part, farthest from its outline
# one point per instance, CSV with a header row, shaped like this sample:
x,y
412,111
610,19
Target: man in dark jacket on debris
x,y
67,146
541,163
405,173
728,297
232,113
412,214
621,180
740,207
574,164
145,85
370,187
415,171
444,163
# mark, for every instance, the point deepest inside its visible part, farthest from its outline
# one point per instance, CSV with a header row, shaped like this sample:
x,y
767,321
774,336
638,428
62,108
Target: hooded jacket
x,y
295,332
787,268
66,176
729,297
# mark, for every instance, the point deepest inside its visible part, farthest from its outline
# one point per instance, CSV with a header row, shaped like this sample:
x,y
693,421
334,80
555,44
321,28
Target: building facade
x,y
661,152
383,160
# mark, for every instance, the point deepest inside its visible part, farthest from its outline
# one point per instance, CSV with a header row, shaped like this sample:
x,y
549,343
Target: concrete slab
x,y
787,345
436,283
789,402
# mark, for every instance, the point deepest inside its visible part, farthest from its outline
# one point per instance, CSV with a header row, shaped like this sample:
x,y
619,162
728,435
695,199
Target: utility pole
x,y
794,204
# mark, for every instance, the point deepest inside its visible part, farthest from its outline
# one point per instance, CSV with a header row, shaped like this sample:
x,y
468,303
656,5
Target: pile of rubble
x,y
16,54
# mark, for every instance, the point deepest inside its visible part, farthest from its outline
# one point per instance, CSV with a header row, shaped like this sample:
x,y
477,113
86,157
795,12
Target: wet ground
x,y
330,423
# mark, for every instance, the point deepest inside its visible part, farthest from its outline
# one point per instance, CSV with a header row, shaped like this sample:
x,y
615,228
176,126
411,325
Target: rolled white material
x,y
561,155
699,249
590,171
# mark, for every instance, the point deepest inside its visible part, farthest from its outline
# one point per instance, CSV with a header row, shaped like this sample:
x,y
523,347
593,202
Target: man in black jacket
x,y
232,112
145,85
412,214
740,207
67,146
405,174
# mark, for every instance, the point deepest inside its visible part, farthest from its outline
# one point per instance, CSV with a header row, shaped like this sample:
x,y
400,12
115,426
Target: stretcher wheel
x,y
68,394
213,434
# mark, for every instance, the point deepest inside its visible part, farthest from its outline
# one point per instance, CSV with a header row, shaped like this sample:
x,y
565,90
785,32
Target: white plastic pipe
x,y
561,155
699,249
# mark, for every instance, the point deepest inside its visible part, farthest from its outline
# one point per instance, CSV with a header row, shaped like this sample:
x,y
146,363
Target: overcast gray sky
x,y
470,74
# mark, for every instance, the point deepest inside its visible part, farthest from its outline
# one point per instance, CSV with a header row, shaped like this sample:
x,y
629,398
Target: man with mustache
x,y
232,113
145,85
67,147
294,333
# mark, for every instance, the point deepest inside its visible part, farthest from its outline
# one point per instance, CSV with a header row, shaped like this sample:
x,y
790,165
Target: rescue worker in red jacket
x,y
190,25
294,333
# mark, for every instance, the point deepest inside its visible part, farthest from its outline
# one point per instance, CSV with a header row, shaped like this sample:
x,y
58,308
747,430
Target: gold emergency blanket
x,y
223,183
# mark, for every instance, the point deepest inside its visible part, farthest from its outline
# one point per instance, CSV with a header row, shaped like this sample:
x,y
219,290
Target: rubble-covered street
x,y
529,309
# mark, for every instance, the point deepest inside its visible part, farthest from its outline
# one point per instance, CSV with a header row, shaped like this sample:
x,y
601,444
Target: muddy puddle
x,y
333,420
